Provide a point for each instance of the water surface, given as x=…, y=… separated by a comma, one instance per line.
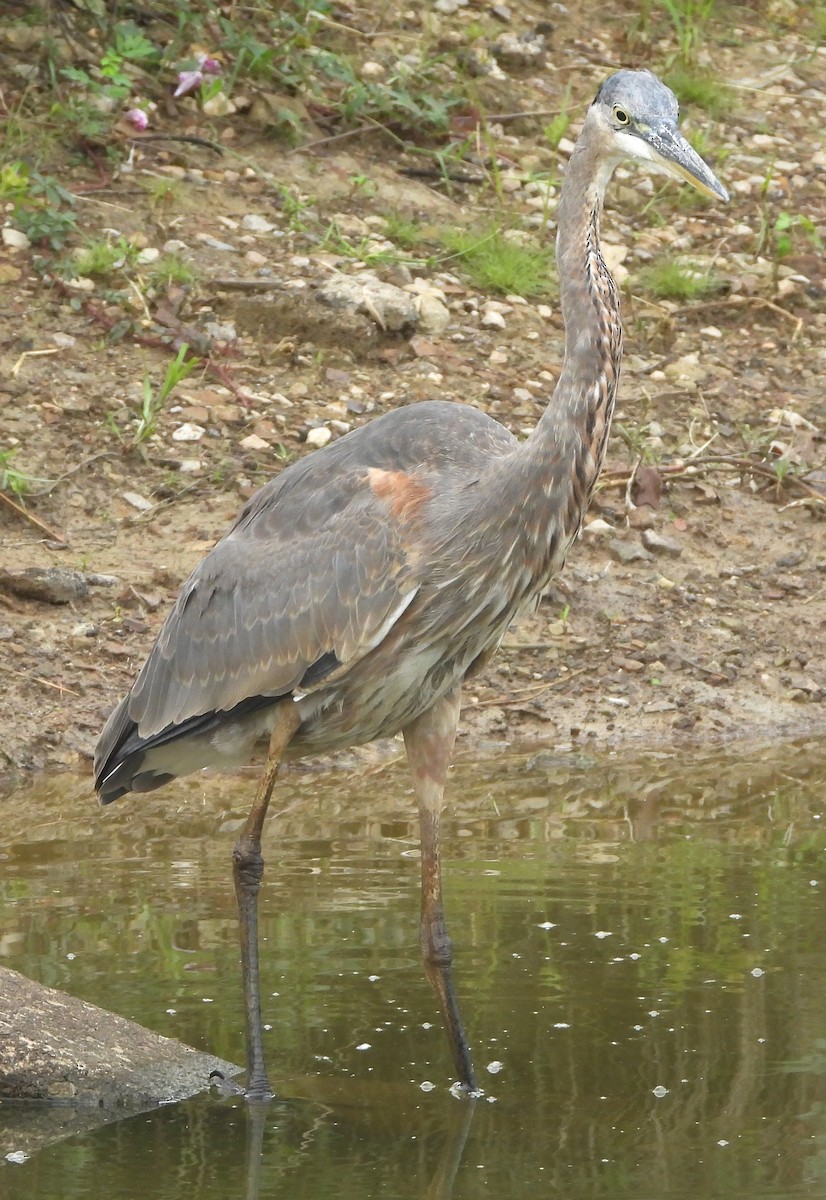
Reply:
x=640, y=960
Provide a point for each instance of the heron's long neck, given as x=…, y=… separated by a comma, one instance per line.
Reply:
x=568, y=445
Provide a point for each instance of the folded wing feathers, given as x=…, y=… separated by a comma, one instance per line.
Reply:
x=270, y=600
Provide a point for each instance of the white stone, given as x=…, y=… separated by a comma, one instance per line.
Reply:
x=253, y=442
x=219, y=105
x=493, y=320
x=15, y=239
x=149, y=254
x=372, y=70
x=137, y=501
x=255, y=223
x=319, y=436
x=433, y=314
x=188, y=433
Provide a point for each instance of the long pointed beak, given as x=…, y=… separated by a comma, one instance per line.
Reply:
x=675, y=155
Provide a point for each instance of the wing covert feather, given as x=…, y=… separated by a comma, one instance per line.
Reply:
x=304, y=572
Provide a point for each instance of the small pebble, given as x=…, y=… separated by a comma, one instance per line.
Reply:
x=660, y=544
x=319, y=436
x=493, y=320
x=137, y=501
x=254, y=442
x=214, y=243
x=257, y=224
x=188, y=433
x=15, y=239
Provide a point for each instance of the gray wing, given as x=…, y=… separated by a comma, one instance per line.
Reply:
x=311, y=577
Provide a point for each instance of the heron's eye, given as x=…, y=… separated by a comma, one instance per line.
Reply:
x=621, y=116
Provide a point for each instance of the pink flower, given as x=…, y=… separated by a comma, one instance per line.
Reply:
x=187, y=80
x=138, y=118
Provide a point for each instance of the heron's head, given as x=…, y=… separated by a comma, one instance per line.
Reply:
x=637, y=118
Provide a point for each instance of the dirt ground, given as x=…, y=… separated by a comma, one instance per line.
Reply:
x=693, y=605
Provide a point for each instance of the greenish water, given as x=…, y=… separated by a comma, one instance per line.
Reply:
x=640, y=959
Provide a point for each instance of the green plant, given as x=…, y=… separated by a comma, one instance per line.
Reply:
x=690, y=20
x=152, y=402
x=404, y=231
x=676, y=279
x=43, y=209
x=13, y=479
x=162, y=190
x=783, y=230
x=102, y=257
x=170, y=269
x=110, y=76
x=104, y=86
x=557, y=128
x=698, y=88
x=495, y=262
x=362, y=185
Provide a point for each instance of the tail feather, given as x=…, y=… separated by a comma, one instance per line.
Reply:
x=126, y=762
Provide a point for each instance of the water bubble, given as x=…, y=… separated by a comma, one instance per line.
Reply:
x=495, y=1067
x=373, y=978
x=427, y=1086
x=364, y=1046
x=603, y=933
x=659, y=1091
x=722, y=1142
x=757, y=972
x=17, y=1156
x=735, y=916
x=562, y=1025
x=546, y=925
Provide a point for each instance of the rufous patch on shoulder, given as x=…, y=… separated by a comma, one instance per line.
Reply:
x=404, y=493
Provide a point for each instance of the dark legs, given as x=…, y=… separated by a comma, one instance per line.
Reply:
x=429, y=741
x=248, y=868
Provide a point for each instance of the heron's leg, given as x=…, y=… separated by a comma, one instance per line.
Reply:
x=429, y=741
x=248, y=868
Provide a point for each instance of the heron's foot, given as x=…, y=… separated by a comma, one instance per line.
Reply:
x=219, y=1083
x=256, y=1093
x=466, y=1091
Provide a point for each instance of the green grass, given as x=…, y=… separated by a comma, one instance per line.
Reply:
x=103, y=257
x=695, y=88
x=171, y=269
x=14, y=479
x=494, y=262
x=676, y=279
x=690, y=20
x=403, y=231
x=153, y=401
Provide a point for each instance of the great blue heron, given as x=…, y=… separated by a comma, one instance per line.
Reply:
x=358, y=589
